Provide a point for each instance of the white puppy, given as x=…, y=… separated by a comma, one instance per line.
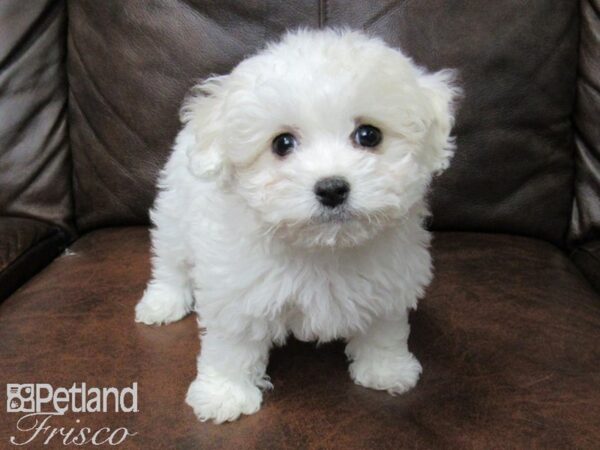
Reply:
x=293, y=203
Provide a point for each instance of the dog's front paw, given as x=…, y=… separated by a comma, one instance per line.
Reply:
x=221, y=400
x=386, y=371
x=161, y=305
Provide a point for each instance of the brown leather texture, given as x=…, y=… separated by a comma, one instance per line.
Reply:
x=585, y=222
x=507, y=334
x=26, y=246
x=35, y=163
x=131, y=63
x=587, y=259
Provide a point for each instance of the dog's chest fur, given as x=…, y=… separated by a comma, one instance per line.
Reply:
x=314, y=294
x=258, y=287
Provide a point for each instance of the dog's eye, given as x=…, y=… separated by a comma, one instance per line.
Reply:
x=284, y=144
x=367, y=136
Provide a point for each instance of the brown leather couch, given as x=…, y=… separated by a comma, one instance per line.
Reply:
x=509, y=332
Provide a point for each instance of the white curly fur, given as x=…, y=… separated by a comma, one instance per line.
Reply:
x=240, y=237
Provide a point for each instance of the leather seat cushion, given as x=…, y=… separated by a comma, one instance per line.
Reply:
x=508, y=337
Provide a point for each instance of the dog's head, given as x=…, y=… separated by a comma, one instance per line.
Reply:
x=329, y=136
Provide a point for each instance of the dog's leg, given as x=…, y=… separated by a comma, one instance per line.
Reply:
x=380, y=358
x=231, y=373
x=168, y=296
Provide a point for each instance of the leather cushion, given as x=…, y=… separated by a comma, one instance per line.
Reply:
x=35, y=164
x=507, y=334
x=130, y=66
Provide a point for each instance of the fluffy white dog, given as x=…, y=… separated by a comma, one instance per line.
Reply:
x=293, y=203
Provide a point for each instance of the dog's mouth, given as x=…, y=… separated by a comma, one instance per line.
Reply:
x=339, y=214
x=332, y=227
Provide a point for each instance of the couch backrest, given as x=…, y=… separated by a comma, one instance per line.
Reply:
x=585, y=221
x=35, y=164
x=131, y=63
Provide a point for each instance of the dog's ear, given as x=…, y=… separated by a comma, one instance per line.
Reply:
x=441, y=89
x=202, y=115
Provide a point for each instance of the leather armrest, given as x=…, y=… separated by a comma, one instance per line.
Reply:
x=587, y=258
x=26, y=246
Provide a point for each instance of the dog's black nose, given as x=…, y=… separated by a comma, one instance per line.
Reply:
x=332, y=191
